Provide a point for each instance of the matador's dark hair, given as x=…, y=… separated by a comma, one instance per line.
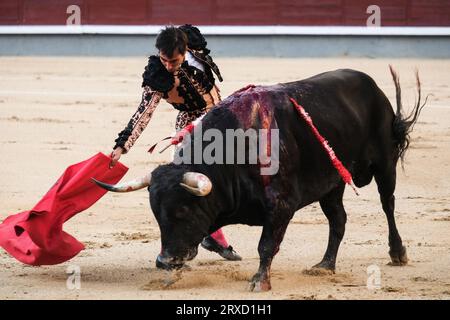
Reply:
x=171, y=39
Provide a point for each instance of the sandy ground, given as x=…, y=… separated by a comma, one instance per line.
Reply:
x=58, y=111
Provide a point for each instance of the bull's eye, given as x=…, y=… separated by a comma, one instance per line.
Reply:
x=182, y=212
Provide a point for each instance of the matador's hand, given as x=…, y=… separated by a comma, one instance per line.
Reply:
x=115, y=156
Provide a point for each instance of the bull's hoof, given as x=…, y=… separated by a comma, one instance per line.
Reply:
x=318, y=272
x=326, y=266
x=259, y=285
x=169, y=267
x=398, y=258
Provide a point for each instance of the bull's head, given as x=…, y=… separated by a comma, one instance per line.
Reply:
x=182, y=218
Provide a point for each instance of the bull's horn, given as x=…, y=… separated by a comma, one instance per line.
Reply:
x=196, y=183
x=133, y=185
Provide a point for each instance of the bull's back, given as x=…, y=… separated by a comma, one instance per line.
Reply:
x=346, y=106
x=349, y=110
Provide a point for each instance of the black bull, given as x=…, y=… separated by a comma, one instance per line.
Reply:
x=191, y=201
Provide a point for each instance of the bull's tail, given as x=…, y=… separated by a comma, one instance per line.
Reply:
x=404, y=124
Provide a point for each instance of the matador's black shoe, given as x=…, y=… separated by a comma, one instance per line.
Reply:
x=212, y=245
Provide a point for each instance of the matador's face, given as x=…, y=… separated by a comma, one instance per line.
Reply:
x=172, y=63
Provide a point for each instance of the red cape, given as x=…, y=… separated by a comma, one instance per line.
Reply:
x=36, y=237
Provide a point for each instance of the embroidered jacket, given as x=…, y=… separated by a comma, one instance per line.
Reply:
x=189, y=89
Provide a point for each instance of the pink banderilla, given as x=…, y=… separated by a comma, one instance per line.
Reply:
x=343, y=172
x=178, y=137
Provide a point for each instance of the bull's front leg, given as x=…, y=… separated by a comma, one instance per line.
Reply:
x=269, y=244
